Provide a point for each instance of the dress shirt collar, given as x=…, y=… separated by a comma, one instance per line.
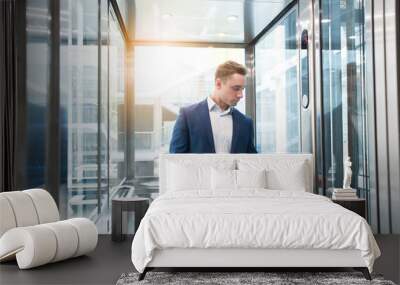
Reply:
x=212, y=106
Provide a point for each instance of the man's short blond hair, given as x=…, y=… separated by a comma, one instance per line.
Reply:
x=228, y=68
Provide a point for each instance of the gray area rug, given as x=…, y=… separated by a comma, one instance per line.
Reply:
x=228, y=278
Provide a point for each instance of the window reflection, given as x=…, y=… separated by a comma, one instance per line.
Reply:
x=277, y=100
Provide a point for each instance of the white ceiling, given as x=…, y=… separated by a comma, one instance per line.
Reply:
x=203, y=20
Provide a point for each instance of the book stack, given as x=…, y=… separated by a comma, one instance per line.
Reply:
x=344, y=194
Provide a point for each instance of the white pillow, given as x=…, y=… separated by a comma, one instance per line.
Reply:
x=251, y=178
x=183, y=178
x=293, y=179
x=189, y=175
x=223, y=179
x=282, y=173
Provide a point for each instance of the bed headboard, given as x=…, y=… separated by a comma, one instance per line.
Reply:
x=281, y=161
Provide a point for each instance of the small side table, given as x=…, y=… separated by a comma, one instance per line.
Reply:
x=357, y=205
x=119, y=205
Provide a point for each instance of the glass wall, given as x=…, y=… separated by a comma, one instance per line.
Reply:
x=92, y=89
x=79, y=106
x=262, y=13
x=116, y=107
x=103, y=211
x=276, y=87
x=123, y=6
x=38, y=39
x=186, y=77
x=343, y=96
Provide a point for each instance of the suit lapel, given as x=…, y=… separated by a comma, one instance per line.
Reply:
x=205, y=115
x=235, y=130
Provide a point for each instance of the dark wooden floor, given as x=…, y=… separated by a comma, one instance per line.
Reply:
x=102, y=266
x=110, y=260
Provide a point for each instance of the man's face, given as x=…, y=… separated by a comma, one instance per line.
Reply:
x=231, y=91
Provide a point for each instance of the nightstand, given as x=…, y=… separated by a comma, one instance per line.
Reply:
x=357, y=205
x=121, y=205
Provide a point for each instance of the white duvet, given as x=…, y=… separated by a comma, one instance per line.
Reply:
x=253, y=218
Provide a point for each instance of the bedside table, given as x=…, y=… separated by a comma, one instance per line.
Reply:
x=119, y=205
x=357, y=205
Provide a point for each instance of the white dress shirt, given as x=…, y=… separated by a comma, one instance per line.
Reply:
x=222, y=126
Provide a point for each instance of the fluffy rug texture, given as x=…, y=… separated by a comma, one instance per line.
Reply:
x=229, y=278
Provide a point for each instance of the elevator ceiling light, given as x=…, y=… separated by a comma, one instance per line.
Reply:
x=232, y=18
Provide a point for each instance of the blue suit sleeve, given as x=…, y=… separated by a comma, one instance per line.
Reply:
x=251, y=148
x=180, y=135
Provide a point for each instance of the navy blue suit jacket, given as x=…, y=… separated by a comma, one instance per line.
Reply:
x=193, y=132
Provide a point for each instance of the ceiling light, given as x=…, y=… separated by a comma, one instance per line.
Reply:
x=232, y=18
x=221, y=35
x=324, y=21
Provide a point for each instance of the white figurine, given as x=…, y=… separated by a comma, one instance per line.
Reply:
x=347, y=174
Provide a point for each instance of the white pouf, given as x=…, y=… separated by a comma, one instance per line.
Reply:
x=31, y=232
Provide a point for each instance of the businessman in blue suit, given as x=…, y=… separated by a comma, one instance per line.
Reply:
x=214, y=125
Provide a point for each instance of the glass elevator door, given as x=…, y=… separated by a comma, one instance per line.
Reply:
x=283, y=83
x=343, y=104
x=277, y=98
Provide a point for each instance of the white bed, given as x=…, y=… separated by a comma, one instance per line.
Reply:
x=247, y=211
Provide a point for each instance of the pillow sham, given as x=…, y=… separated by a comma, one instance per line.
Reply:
x=251, y=178
x=292, y=179
x=187, y=175
x=183, y=178
x=223, y=179
x=281, y=173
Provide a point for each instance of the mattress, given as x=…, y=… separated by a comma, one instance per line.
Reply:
x=250, y=219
